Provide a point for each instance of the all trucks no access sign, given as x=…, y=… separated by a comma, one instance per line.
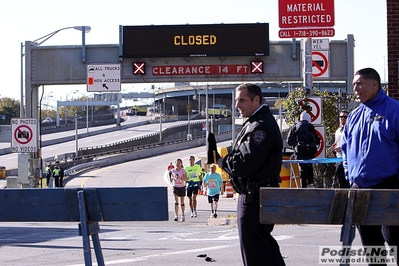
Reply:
x=104, y=78
x=24, y=135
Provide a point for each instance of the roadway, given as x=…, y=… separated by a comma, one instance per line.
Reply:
x=155, y=243
x=10, y=161
x=151, y=243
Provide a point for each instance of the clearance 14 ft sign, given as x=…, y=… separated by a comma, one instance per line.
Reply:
x=24, y=135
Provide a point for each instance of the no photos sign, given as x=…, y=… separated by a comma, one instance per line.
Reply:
x=304, y=14
x=24, y=135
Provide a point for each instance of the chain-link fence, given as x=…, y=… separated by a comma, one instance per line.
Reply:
x=324, y=175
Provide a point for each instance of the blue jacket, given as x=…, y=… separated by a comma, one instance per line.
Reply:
x=370, y=145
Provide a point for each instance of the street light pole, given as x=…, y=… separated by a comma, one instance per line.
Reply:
x=206, y=110
x=76, y=136
x=213, y=108
x=189, y=136
x=160, y=123
x=66, y=107
x=87, y=114
x=39, y=41
x=32, y=96
x=21, y=104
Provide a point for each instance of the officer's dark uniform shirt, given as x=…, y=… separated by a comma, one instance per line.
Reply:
x=257, y=151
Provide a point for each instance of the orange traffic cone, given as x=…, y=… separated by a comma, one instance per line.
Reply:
x=228, y=190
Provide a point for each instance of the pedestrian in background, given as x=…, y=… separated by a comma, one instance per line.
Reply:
x=213, y=183
x=339, y=177
x=370, y=149
x=61, y=179
x=305, y=141
x=194, y=174
x=254, y=162
x=48, y=174
x=179, y=178
x=56, y=175
x=170, y=168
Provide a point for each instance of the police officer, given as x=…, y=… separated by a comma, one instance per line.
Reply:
x=56, y=175
x=48, y=174
x=254, y=162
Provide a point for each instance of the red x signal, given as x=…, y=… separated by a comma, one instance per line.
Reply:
x=256, y=66
x=138, y=68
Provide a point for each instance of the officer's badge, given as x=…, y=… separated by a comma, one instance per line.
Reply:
x=258, y=136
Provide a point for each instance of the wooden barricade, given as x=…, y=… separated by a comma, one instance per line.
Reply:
x=87, y=206
x=330, y=206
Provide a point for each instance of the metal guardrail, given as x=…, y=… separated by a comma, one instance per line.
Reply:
x=143, y=147
x=80, y=163
x=173, y=133
x=106, y=159
x=74, y=170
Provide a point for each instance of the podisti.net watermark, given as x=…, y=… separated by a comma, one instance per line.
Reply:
x=357, y=255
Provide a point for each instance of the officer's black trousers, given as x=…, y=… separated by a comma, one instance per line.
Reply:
x=258, y=247
x=377, y=235
x=306, y=174
x=340, y=176
x=57, y=181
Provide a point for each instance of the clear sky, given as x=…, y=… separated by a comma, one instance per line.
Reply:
x=29, y=20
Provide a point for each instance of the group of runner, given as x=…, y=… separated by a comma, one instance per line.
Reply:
x=190, y=181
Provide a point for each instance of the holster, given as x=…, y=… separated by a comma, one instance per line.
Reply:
x=241, y=186
x=251, y=187
x=236, y=184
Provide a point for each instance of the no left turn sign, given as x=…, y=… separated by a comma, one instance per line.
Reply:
x=320, y=64
x=316, y=110
x=321, y=151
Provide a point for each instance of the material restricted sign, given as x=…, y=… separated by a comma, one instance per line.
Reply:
x=104, y=78
x=309, y=13
x=24, y=135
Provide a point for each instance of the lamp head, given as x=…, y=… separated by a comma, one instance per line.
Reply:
x=86, y=29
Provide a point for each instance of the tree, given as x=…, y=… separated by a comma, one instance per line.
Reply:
x=9, y=108
x=330, y=108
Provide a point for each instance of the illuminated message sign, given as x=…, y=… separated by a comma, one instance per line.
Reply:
x=203, y=40
x=200, y=70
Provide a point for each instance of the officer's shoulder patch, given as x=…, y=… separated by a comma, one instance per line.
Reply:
x=258, y=136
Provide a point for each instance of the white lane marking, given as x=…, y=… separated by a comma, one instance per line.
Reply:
x=143, y=258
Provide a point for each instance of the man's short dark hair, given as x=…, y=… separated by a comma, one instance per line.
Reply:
x=369, y=73
x=253, y=90
x=345, y=111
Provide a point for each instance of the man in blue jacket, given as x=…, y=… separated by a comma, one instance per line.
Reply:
x=370, y=148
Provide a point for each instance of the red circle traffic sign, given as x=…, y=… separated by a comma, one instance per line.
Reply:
x=312, y=116
x=321, y=147
x=24, y=134
x=322, y=69
x=316, y=115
